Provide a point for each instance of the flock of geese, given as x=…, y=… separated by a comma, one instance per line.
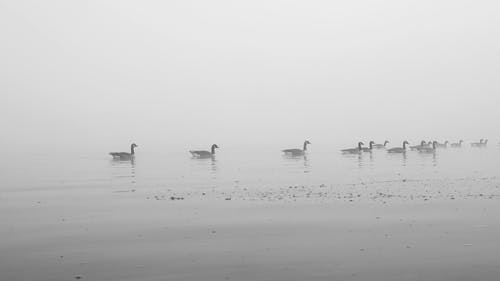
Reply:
x=424, y=147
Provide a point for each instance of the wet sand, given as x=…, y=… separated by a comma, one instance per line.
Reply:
x=103, y=234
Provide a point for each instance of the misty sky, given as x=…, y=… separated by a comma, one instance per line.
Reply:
x=105, y=73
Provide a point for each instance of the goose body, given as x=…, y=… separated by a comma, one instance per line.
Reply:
x=381, y=145
x=485, y=143
x=125, y=155
x=429, y=149
x=416, y=147
x=441, y=145
x=368, y=149
x=398, y=149
x=204, y=153
x=477, y=144
x=457, y=144
x=297, y=151
x=354, y=150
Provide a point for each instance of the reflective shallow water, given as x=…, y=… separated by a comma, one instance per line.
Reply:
x=250, y=214
x=249, y=168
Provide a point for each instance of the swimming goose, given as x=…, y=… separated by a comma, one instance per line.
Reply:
x=429, y=149
x=125, y=155
x=354, y=150
x=381, y=145
x=441, y=145
x=422, y=144
x=477, y=144
x=398, y=149
x=297, y=151
x=368, y=149
x=485, y=143
x=457, y=144
x=204, y=153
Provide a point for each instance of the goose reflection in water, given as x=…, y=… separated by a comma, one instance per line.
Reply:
x=370, y=162
x=205, y=162
x=355, y=158
x=429, y=155
x=402, y=155
x=213, y=164
x=124, y=168
x=295, y=160
x=365, y=160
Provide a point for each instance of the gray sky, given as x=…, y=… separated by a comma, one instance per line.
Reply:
x=104, y=73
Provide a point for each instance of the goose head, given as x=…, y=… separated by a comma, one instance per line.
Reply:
x=386, y=142
x=405, y=143
x=132, y=148
x=214, y=146
x=306, y=142
x=360, y=144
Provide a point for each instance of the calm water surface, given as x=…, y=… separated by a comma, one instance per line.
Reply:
x=250, y=214
x=255, y=168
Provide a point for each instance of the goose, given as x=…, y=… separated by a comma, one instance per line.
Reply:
x=125, y=155
x=429, y=149
x=354, y=150
x=477, y=144
x=457, y=144
x=485, y=143
x=368, y=149
x=398, y=149
x=422, y=144
x=204, y=153
x=381, y=145
x=297, y=151
x=441, y=145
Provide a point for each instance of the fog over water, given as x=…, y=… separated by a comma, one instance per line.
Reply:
x=80, y=79
x=178, y=75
